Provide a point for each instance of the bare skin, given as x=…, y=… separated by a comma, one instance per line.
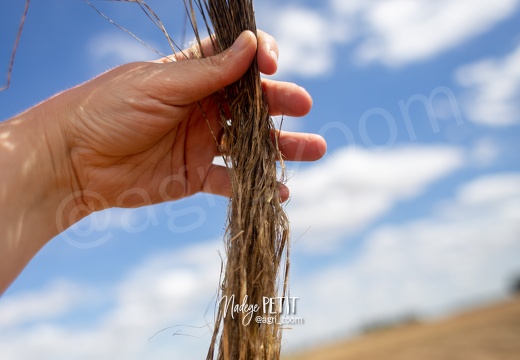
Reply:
x=133, y=136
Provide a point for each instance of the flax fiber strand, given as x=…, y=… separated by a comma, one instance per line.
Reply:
x=257, y=234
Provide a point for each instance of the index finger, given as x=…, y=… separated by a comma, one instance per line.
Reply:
x=267, y=54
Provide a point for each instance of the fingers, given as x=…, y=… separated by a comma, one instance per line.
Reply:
x=267, y=52
x=217, y=183
x=293, y=146
x=200, y=78
x=300, y=146
x=196, y=51
x=286, y=98
x=184, y=82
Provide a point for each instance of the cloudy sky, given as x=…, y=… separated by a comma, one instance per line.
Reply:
x=415, y=209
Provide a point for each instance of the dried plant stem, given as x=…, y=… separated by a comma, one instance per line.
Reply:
x=258, y=231
x=257, y=234
x=17, y=41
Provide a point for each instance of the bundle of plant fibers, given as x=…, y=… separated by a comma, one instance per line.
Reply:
x=257, y=232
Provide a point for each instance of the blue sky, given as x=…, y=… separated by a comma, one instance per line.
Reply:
x=415, y=209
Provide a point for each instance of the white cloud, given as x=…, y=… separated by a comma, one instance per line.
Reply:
x=402, y=31
x=101, y=226
x=485, y=152
x=468, y=251
x=166, y=283
x=493, y=90
x=391, y=32
x=115, y=48
x=56, y=299
x=171, y=289
x=306, y=38
x=491, y=189
x=353, y=187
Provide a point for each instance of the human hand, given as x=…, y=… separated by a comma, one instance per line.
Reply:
x=143, y=127
x=134, y=136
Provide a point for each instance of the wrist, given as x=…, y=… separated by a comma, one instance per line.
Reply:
x=35, y=184
x=42, y=165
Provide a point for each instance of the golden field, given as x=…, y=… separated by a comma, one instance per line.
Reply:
x=490, y=333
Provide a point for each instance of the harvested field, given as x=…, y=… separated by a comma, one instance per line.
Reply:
x=491, y=333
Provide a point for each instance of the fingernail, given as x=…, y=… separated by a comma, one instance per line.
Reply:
x=284, y=192
x=274, y=55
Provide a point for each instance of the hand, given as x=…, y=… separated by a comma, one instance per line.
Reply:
x=134, y=136
x=140, y=126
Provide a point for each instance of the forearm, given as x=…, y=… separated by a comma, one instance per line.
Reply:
x=33, y=183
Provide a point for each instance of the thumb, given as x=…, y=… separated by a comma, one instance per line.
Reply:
x=186, y=81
